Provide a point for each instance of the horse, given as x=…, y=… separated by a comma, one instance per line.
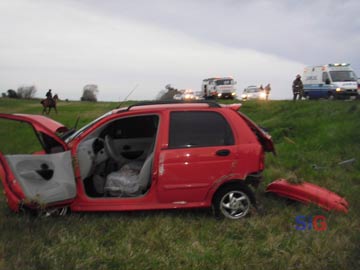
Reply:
x=49, y=103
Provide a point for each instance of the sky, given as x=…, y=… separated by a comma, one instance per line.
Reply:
x=121, y=45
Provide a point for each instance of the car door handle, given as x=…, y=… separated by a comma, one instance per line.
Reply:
x=223, y=152
x=126, y=147
x=45, y=172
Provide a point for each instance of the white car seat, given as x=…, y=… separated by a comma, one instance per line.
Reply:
x=133, y=179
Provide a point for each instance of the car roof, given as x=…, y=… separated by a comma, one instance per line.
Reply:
x=168, y=106
x=218, y=78
x=174, y=104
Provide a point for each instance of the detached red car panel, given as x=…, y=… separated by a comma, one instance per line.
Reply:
x=146, y=156
x=309, y=193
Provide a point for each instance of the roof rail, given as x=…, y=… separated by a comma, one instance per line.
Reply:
x=211, y=104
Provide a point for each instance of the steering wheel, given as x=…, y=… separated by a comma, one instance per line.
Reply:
x=98, y=145
x=110, y=149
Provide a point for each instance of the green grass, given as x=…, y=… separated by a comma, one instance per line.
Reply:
x=306, y=133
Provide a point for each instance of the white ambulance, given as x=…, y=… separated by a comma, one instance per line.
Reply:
x=332, y=81
x=219, y=87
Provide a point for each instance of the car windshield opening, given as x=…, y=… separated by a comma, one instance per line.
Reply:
x=81, y=130
x=343, y=76
x=223, y=82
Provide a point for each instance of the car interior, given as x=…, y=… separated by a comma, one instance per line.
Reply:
x=116, y=159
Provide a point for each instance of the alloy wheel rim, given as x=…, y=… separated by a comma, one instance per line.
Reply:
x=235, y=204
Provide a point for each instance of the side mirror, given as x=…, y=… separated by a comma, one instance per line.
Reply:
x=327, y=81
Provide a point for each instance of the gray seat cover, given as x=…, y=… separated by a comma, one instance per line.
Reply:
x=129, y=181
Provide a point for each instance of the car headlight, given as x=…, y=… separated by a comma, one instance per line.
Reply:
x=233, y=94
x=219, y=95
x=338, y=89
x=262, y=95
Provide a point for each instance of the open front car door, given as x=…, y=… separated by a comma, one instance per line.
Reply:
x=44, y=179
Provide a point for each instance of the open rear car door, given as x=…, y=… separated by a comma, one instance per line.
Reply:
x=43, y=179
x=263, y=137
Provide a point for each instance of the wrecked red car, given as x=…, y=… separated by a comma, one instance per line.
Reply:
x=146, y=156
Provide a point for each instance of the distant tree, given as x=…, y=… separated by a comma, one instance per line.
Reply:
x=89, y=92
x=168, y=93
x=12, y=93
x=26, y=92
x=3, y=95
x=160, y=94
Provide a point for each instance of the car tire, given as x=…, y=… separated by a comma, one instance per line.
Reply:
x=54, y=212
x=59, y=212
x=233, y=201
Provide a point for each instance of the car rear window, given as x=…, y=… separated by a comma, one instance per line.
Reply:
x=199, y=129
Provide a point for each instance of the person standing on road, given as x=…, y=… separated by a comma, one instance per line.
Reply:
x=267, y=90
x=298, y=88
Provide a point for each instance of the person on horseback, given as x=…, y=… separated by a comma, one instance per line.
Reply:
x=49, y=102
x=49, y=94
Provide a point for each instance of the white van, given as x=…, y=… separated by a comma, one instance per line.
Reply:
x=219, y=87
x=330, y=81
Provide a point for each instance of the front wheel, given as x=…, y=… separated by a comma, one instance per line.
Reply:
x=233, y=202
x=51, y=212
x=55, y=212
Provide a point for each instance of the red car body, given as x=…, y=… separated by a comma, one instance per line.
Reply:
x=181, y=177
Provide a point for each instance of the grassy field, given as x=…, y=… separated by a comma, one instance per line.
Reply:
x=311, y=138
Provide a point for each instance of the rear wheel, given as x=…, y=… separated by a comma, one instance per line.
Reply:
x=233, y=202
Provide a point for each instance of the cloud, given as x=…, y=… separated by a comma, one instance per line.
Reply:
x=313, y=32
x=64, y=45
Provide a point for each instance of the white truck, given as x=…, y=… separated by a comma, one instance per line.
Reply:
x=219, y=87
x=332, y=81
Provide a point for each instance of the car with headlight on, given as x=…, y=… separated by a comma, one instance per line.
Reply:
x=253, y=92
x=330, y=81
x=187, y=94
x=147, y=156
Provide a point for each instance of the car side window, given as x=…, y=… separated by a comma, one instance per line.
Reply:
x=133, y=127
x=27, y=139
x=199, y=129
